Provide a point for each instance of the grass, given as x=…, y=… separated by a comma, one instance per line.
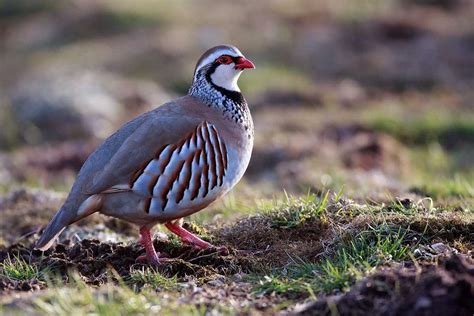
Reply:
x=174, y=242
x=430, y=127
x=439, y=142
x=295, y=211
x=454, y=173
x=19, y=270
x=149, y=277
x=459, y=186
x=357, y=239
x=144, y=10
x=367, y=236
x=353, y=259
x=349, y=11
x=199, y=230
x=80, y=299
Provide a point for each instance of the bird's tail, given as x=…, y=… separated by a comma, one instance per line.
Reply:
x=54, y=229
x=64, y=217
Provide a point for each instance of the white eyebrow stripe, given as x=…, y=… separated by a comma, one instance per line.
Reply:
x=225, y=51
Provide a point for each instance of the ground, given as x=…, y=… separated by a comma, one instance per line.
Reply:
x=315, y=254
x=359, y=198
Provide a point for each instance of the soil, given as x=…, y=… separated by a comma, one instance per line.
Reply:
x=429, y=289
x=274, y=246
x=254, y=245
x=96, y=261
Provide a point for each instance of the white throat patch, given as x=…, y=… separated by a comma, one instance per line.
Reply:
x=226, y=76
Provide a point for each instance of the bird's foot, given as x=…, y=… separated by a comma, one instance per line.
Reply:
x=151, y=256
x=189, y=238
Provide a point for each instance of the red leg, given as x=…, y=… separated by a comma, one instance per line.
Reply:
x=187, y=237
x=147, y=242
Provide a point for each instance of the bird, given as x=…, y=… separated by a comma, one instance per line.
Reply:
x=170, y=162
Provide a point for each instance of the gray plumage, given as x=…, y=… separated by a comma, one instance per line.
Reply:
x=108, y=181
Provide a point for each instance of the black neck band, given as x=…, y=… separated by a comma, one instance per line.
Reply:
x=235, y=96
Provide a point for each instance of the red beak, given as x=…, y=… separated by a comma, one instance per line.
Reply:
x=243, y=63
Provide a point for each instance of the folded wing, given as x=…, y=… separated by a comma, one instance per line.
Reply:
x=181, y=173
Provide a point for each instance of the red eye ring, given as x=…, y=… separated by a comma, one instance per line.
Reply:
x=224, y=59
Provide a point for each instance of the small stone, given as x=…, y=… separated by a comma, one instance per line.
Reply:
x=440, y=248
x=216, y=282
x=25, y=286
x=406, y=203
x=423, y=302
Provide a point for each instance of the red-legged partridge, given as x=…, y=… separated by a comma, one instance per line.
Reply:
x=170, y=162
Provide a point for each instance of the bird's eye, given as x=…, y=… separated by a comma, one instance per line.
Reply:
x=224, y=60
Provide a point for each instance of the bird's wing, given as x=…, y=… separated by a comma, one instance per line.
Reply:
x=141, y=145
x=168, y=152
x=182, y=173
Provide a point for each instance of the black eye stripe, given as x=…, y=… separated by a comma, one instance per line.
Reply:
x=232, y=59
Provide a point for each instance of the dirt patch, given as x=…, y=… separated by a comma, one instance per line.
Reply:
x=25, y=211
x=94, y=261
x=444, y=227
x=63, y=156
x=363, y=148
x=219, y=292
x=443, y=289
x=253, y=243
x=49, y=165
x=273, y=245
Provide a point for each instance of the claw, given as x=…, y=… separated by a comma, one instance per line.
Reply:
x=153, y=261
x=143, y=259
x=223, y=250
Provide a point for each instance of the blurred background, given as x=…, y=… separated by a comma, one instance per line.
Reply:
x=371, y=97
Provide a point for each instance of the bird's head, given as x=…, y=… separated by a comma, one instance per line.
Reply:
x=221, y=66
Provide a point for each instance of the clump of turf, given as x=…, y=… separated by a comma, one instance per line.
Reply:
x=19, y=270
x=441, y=288
x=352, y=259
x=296, y=227
x=152, y=278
